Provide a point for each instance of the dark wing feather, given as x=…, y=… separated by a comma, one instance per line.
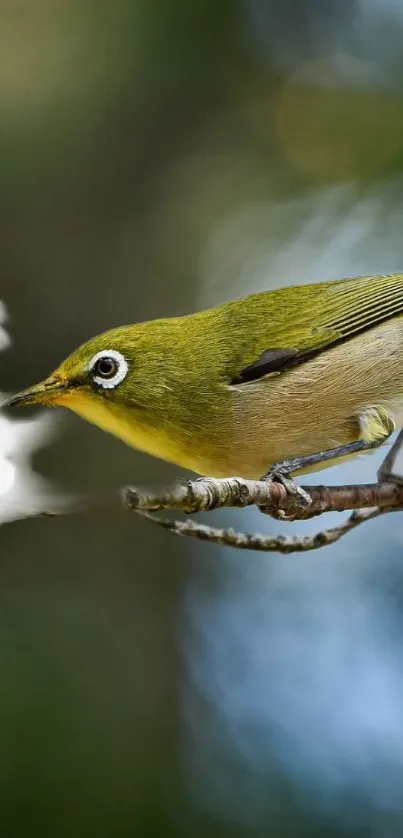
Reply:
x=271, y=360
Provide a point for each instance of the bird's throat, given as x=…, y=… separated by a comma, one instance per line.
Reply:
x=155, y=441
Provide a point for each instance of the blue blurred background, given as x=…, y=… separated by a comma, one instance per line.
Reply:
x=157, y=158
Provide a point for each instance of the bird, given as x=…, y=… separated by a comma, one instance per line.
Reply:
x=304, y=375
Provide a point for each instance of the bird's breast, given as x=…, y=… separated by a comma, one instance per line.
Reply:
x=163, y=441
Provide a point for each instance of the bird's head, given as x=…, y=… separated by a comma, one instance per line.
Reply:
x=129, y=381
x=96, y=371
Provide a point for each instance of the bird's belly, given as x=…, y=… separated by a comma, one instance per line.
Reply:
x=254, y=454
x=318, y=405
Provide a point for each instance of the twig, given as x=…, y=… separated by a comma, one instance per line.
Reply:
x=265, y=543
x=368, y=501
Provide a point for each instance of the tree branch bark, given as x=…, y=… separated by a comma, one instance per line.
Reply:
x=208, y=493
x=367, y=500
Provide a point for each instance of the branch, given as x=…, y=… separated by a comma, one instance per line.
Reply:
x=282, y=500
x=264, y=543
x=367, y=500
x=209, y=493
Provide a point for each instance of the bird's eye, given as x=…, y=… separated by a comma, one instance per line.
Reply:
x=108, y=368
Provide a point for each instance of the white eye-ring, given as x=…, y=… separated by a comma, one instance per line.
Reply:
x=109, y=368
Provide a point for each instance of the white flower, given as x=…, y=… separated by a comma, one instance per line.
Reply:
x=22, y=491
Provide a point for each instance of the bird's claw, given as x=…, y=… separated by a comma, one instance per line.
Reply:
x=280, y=474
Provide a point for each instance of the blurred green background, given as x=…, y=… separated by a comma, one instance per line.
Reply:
x=155, y=158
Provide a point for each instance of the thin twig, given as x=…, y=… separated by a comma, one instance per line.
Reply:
x=265, y=543
x=367, y=500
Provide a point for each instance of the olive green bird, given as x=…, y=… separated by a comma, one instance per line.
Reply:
x=306, y=374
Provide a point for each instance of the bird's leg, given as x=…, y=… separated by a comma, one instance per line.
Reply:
x=376, y=425
x=386, y=473
x=281, y=472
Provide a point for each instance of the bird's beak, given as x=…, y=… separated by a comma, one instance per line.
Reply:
x=46, y=392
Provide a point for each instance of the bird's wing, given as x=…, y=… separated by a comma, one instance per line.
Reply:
x=329, y=313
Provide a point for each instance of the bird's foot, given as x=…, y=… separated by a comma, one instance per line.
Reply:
x=280, y=473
